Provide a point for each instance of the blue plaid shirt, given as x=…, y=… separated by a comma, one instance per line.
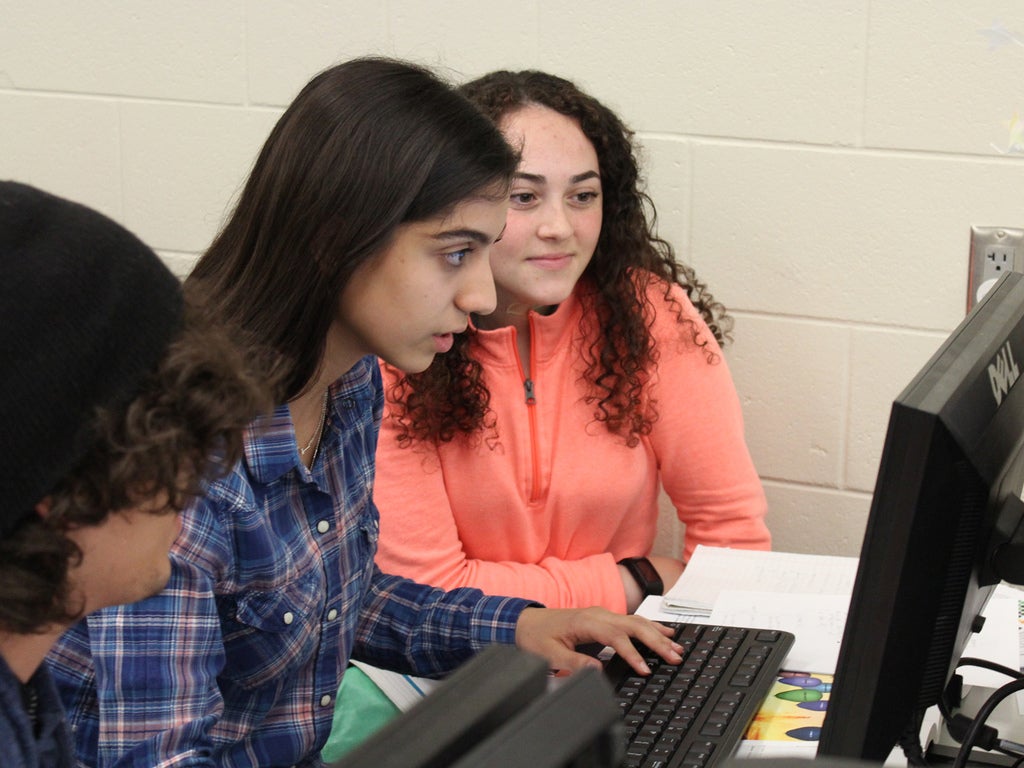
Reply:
x=24, y=743
x=237, y=662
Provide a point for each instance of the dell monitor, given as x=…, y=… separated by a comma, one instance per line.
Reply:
x=943, y=530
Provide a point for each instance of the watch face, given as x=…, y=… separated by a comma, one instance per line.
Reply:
x=649, y=572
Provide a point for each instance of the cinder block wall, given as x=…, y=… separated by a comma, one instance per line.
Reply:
x=820, y=164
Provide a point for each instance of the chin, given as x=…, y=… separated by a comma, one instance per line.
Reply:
x=420, y=368
x=411, y=364
x=550, y=297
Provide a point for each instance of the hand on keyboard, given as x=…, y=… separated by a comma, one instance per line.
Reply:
x=555, y=633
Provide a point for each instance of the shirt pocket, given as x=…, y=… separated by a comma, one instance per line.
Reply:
x=269, y=634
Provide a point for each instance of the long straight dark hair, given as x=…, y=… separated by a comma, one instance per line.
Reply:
x=366, y=146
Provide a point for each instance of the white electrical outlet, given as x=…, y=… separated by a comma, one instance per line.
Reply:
x=994, y=251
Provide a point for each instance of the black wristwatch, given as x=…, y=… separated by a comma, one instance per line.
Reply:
x=646, y=575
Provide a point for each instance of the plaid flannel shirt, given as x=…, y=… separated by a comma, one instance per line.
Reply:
x=238, y=661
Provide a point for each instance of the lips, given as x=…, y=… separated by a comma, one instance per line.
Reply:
x=443, y=342
x=551, y=261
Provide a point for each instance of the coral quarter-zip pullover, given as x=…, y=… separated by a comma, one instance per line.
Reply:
x=545, y=509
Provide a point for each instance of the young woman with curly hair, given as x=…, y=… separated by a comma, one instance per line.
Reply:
x=528, y=460
x=119, y=401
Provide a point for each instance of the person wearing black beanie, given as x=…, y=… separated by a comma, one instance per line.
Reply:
x=116, y=401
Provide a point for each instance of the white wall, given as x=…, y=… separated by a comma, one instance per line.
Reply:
x=819, y=163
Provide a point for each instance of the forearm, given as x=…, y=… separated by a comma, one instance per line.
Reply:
x=413, y=628
x=555, y=582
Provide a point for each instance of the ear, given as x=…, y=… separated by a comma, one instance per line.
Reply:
x=43, y=507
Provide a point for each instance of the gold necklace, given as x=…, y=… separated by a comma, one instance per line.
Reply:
x=319, y=428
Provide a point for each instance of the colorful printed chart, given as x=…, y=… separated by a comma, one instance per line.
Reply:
x=794, y=709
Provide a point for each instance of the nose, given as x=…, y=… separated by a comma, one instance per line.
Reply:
x=476, y=295
x=554, y=223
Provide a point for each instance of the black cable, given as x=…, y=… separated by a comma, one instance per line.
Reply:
x=909, y=741
x=983, y=714
x=958, y=724
x=970, y=661
x=987, y=738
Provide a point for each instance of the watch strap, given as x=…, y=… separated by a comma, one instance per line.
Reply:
x=645, y=574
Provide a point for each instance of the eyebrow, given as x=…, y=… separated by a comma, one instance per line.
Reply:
x=537, y=178
x=468, y=234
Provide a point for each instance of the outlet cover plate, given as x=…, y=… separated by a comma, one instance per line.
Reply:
x=994, y=251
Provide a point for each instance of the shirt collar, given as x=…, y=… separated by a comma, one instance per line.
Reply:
x=269, y=441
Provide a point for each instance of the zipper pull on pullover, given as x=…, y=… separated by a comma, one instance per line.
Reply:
x=531, y=398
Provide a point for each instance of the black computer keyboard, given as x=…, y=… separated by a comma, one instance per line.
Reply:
x=693, y=715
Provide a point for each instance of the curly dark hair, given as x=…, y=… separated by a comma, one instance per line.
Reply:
x=450, y=398
x=183, y=427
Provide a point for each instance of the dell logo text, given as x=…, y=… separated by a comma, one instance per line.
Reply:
x=1003, y=371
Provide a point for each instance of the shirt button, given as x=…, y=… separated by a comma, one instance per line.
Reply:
x=325, y=700
x=323, y=526
x=332, y=614
x=288, y=617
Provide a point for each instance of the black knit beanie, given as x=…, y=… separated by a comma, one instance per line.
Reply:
x=86, y=312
